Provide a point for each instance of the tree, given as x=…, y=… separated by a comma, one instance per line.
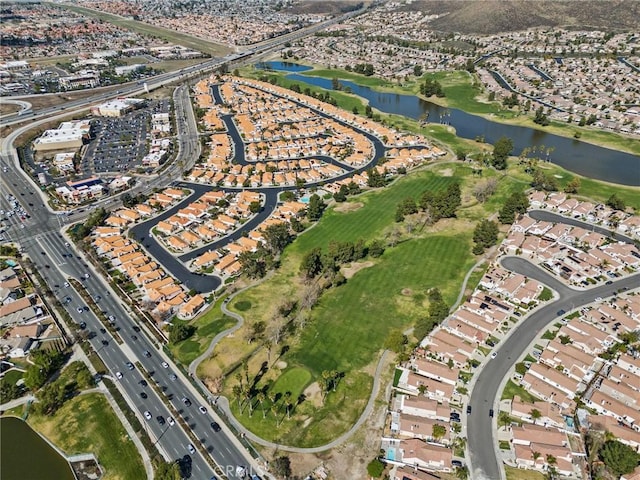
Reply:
x=312, y=263
x=281, y=466
x=277, y=237
x=482, y=191
x=462, y=473
x=615, y=202
x=179, y=331
x=315, y=208
x=504, y=419
x=517, y=202
x=255, y=206
x=573, y=186
x=51, y=398
x=255, y=264
x=396, y=341
x=544, y=181
x=541, y=118
x=375, y=468
x=376, y=248
x=535, y=415
x=375, y=179
x=438, y=431
x=167, y=471
x=618, y=457
x=485, y=235
x=501, y=151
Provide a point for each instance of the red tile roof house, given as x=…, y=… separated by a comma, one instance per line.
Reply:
x=411, y=426
x=422, y=455
x=435, y=370
x=411, y=382
x=528, y=439
x=421, y=406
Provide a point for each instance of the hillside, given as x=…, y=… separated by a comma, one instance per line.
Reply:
x=495, y=16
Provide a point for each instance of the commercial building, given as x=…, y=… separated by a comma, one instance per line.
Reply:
x=117, y=107
x=69, y=135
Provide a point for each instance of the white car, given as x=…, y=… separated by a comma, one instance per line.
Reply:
x=165, y=364
x=66, y=284
x=171, y=421
x=202, y=409
x=147, y=414
x=598, y=299
x=494, y=354
x=191, y=449
x=118, y=375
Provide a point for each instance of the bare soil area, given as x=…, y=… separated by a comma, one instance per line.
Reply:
x=347, y=207
x=354, y=268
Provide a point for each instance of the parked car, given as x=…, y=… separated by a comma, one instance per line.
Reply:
x=491, y=412
x=468, y=409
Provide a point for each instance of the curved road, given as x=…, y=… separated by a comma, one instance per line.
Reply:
x=482, y=456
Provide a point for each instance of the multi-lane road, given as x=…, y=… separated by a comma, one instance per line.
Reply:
x=484, y=464
x=39, y=235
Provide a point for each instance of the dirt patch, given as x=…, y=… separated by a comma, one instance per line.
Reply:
x=407, y=292
x=347, y=207
x=313, y=394
x=354, y=268
x=447, y=172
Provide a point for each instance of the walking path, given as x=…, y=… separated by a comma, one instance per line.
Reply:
x=223, y=403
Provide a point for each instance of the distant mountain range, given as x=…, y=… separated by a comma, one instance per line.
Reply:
x=495, y=16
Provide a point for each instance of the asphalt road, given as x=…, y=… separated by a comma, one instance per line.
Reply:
x=483, y=464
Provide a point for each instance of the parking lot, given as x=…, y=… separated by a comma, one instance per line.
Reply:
x=120, y=143
x=117, y=146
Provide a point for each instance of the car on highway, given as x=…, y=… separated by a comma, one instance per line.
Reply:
x=202, y=410
x=147, y=414
x=112, y=318
x=66, y=284
x=143, y=382
x=191, y=449
x=165, y=365
x=160, y=419
x=134, y=338
x=118, y=375
x=83, y=325
x=105, y=342
x=171, y=421
x=80, y=309
x=130, y=365
x=186, y=401
x=135, y=328
x=147, y=353
x=173, y=377
x=143, y=395
x=215, y=427
x=86, y=275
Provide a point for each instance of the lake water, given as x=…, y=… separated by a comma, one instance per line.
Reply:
x=25, y=455
x=580, y=157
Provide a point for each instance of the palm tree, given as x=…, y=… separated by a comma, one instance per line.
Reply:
x=462, y=473
x=261, y=398
x=274, y=410
x=237, y=393
x=504, y=418
x=536, y=415
x=535, y=456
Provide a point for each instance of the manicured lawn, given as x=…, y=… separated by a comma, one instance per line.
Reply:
x=511, y=389
x=208, y=325
x=293, y=380
x=351, y=322
x=351, y=76
x=519, y=474
x=313, y=421
x=88, y=424
x=12, y=376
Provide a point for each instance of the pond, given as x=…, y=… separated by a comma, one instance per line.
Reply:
x=580, y=157
x=26, y=455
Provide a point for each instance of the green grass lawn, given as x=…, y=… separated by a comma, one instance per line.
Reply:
x=88, y=424
x=12, y=376
x=351, y=322
x=511, y=389
x=208, y=325
x=519, y=474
